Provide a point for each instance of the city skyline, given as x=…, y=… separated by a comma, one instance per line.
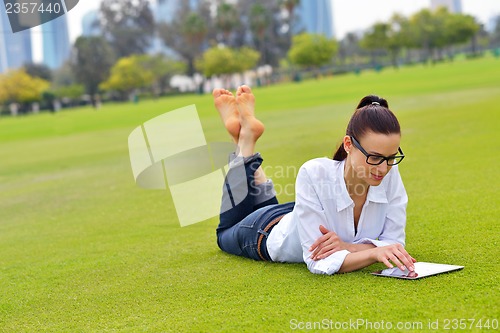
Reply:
x=348, y=16
x=15, y=48
x=33, y=45
x=315, y=17
x=55, y=42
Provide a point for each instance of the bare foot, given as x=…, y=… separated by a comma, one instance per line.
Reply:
x=251, y=127
x=225, y=103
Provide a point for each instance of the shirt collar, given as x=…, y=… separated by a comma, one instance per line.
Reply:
x=343, y=198
x=375, y=193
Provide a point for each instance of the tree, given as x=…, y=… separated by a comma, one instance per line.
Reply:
x=424, y=27
x=312, y=50
x=39, y=70
x=226, y=60
x=495, y=34
x=128, y=75
x=187, y=33
x=226, y=20
x=268, y=27
x=289, y=6
x=437, y=30
x=93, y=57
x=19, y=87
x=461, y=29
x=400, y=37
x=260, y=19
x=376, y=40
x=128, y=25
x=71, y=92
x=162, y=69
x=349, y=48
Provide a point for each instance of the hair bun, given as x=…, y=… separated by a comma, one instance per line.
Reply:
x=372, y=100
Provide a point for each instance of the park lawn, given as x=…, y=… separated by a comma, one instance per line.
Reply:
x=84, y=250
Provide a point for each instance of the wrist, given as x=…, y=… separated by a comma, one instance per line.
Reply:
x=359, y=247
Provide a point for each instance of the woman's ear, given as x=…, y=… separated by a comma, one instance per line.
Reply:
x=347, y=143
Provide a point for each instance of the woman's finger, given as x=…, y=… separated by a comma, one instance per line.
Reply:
x=318, y=242
x=387, y=263
x=326, y=254
x=405, y=257
x=396, y=262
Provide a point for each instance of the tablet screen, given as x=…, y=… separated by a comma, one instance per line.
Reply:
x=422, y=269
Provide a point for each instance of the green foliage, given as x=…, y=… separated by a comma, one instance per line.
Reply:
x=94, y=58
x=187, y=32
x=435, y=30
x=260, y=19
x=311, y=50
x=227, y=19
x=377, y=37
x=128, y=74
x=85, y=250
x=18, y=86
x=460, y=28
x=141, y=71
x=226, y=60
x=73, y=91
x=194, y=28
x=39, y=70
x=128, y=25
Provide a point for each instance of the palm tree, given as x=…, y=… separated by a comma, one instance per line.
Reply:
x=290, y=6
x=227, y=20
x=260, y=20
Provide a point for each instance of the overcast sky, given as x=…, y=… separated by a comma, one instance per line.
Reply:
x=353, y=15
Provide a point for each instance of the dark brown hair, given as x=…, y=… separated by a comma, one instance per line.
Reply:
x=371, y=115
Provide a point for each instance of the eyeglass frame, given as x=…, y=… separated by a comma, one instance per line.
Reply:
x=382, y=158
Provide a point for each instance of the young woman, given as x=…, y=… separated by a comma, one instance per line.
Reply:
x=349, y=212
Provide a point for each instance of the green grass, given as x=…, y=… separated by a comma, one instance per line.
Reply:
x=84, y=250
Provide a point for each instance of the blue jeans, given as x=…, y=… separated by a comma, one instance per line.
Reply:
x=247, y=209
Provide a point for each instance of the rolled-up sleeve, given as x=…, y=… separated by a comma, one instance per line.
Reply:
x=310, y=215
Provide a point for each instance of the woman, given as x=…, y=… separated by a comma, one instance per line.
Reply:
x=349, y=212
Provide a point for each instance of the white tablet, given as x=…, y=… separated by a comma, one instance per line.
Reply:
x=422, y=269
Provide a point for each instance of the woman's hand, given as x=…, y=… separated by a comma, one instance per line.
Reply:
x=396, y=254
x=327, y=244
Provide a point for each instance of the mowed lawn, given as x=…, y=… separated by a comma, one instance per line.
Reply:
x=82, y=249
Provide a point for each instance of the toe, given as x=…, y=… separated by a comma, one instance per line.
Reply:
x=217, y=92
x=246, y=89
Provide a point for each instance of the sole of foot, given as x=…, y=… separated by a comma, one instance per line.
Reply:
x=225, y=103
x=250, y=126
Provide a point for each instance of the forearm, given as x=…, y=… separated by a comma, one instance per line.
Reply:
x=394, y=253
x=357, y=260
x=359, y=247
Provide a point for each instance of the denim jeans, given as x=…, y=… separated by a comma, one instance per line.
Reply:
x=247, y=209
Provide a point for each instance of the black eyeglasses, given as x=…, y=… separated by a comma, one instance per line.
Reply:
x=377, y=159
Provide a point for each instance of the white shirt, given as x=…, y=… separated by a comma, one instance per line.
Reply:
x=322, y=199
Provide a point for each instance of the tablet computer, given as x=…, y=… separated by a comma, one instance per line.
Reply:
x=422, y=269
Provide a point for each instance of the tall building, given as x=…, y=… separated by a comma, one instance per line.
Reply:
x=453, y=6
x=55, y=39
x=90, y=24
x=314, y=17
x=15, y=48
